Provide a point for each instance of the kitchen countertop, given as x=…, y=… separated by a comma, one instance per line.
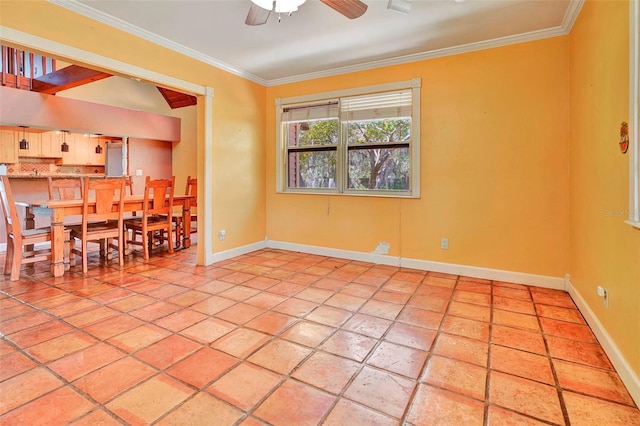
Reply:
x=54, y=175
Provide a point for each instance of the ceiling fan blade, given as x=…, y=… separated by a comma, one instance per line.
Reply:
x=350, y=8
x=257, y=15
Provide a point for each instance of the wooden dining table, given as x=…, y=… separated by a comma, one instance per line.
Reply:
x=59, y=209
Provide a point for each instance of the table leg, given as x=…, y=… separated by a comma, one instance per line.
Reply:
x=186, y=224
x=57, y=243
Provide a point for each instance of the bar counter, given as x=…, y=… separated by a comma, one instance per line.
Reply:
x=55, y=175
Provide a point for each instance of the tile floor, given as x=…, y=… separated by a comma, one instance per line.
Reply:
x=283, y=338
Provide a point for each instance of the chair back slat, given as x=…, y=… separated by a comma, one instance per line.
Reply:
x=158, y=196
x=10, y=213
x=66, y=189
x=192, y=189
x=128, y=183
x=105, y=193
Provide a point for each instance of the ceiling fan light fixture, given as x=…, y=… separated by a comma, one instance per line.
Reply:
x=265, y=4
x=400, y=6
x=279, y=6
x=257, y=15
x=288, y=6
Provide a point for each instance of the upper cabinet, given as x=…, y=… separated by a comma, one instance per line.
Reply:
x=41, y=145
x=82, y=150
x=8, y=147
x=51, y=144
x=97, y=156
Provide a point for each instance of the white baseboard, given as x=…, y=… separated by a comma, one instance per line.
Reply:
x=238, y=251
x=331, y=252
x=626, y=373
x=448, y=268
x=486, y=273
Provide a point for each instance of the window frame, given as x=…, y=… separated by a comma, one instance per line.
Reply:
x=342, y=147
x=634, y=115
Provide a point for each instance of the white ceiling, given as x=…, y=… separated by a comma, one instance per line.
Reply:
x=318, y=41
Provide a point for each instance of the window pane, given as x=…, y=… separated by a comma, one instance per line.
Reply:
x=386, y=168
x=312, y=169
x=37, y=66
x=379, y=131
x=312, y=133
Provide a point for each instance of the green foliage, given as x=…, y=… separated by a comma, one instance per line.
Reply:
x=368, y=168
x=379, y=131
x=384, y=168
x=322, y=132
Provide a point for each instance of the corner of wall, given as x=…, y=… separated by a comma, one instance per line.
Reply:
x=620, y=363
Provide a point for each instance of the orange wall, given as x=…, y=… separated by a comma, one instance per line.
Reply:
x=494, y=166
x=604, y=250
x=237, y=187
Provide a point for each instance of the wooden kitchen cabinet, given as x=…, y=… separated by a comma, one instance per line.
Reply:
x=41, y=145
x=51, y=144
x=34, y=144
x=97, y=158
x=76, y=154
x=8, y=147
x=82, y=151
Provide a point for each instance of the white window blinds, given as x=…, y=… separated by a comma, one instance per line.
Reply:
x=328, y=109
x=377, y=106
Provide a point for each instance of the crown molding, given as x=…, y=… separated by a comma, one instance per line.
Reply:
x=570, y=16
x=432, y=54
x=567, y=23
x=96, y=15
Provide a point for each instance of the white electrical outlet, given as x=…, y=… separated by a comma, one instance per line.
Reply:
x=604, y=294
x=222, y=234
x=444, y=243
x=138, y=172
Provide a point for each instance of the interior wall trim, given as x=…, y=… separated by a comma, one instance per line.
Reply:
x=563, y=29
x=332, y=252
x=237, y=251
x=89, y=12
x=426, y=265
x=620, y=363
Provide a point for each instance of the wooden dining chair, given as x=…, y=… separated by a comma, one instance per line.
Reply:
x=101, y=223
x=65, y=188
x=156, y=215
x=19, y=239
x=191, y=189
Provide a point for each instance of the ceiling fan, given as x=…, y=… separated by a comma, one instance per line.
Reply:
x=261, y=9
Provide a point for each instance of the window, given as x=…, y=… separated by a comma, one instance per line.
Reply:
x=363, y=141
x=634, y=115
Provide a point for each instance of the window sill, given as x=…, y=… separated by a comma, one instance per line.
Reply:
x=632, y=223
x=350, y=194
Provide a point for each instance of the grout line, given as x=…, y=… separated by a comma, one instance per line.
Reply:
x=164, y=263
x=563, y=407
x=487, y=384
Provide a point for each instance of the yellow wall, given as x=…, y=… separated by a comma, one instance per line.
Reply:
x=238, y=151
x=604, y=250
x=494, y=166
